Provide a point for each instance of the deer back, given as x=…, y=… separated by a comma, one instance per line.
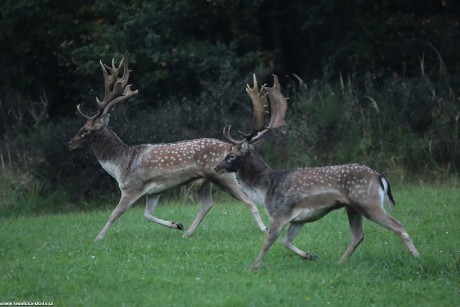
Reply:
x=330, y=186
x=160, y=166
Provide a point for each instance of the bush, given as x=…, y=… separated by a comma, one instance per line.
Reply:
x=405, y=124
x=404, y=127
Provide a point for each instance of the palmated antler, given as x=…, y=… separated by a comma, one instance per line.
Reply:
x=259, y=105
x=278, y=106
x=116, y=89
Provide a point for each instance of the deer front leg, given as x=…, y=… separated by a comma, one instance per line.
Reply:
x=355, y=219
x=293, y=230
x=205, y=193
x=125, y=202
x=273, y=234
x=151, y=203
x=255, y=213
x=230, y=184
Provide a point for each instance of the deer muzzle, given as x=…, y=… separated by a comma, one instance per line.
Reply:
x=72, y=145
x=220, y=169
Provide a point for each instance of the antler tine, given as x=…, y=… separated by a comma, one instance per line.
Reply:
x=227, y=136
x=278, y=104
x=259, y=104
x=84, y=115
x=126, y=94
x=121, y=91
x=278, y=107
x=109, y=81
x=116, y=89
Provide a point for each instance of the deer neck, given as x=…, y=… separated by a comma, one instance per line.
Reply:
x=107, y=146
x=254, y=172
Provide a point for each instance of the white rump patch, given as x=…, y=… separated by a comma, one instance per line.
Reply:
x=382, y=192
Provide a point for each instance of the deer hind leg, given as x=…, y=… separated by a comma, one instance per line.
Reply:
x=273, y=234
x=123, y=205
x=355, y=219
x=151, y=203
x=381, y=217
x=205, y=193
x=232, y=186
x=292, y=232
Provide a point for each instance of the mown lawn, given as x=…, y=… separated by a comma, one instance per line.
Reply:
x=54, y=259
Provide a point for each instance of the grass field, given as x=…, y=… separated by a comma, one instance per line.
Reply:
x=54, y=259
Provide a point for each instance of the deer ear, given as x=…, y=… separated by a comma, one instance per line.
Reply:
x=102, y=121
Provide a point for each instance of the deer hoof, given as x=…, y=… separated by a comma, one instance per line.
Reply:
x=253, y=268
x=311, y=257
x=179, y=226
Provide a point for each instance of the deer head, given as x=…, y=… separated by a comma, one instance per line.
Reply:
x=117, y=90
x=272, y=113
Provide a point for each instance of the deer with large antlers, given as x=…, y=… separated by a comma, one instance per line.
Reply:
x=304, y=195
x=152, y=169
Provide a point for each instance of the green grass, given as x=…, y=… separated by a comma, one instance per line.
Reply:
x=53, y=258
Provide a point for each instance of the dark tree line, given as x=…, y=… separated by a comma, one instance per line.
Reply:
x=54, y=46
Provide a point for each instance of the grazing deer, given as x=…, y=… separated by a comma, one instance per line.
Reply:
x=152, y=169
x=305, y=195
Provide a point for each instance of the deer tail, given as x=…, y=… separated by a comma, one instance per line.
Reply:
x=385, y=185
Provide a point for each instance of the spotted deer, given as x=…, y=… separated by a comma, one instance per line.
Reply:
x=151, y=169
x=304, y=195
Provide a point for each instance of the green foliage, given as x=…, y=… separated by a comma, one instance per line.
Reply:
x=54, y=258
x=175, y=45
x=328, y=122
x=23, y=195
x=403, y=123
x=395, y=106
x=54, y=46
x=15, y=187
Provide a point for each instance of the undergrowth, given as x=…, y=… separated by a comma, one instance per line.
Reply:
x=405, y=127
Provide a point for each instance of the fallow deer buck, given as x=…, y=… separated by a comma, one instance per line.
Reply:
x=304, y=195
x=152, y=169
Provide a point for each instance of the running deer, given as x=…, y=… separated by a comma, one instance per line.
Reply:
x=151, y=169
x=304, y=195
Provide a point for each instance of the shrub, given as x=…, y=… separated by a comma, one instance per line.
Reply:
x=404, y=127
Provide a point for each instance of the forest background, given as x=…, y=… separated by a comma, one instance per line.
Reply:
x=372, y=82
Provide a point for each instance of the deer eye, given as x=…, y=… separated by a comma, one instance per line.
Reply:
x=84, y=132
x=231, y=157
